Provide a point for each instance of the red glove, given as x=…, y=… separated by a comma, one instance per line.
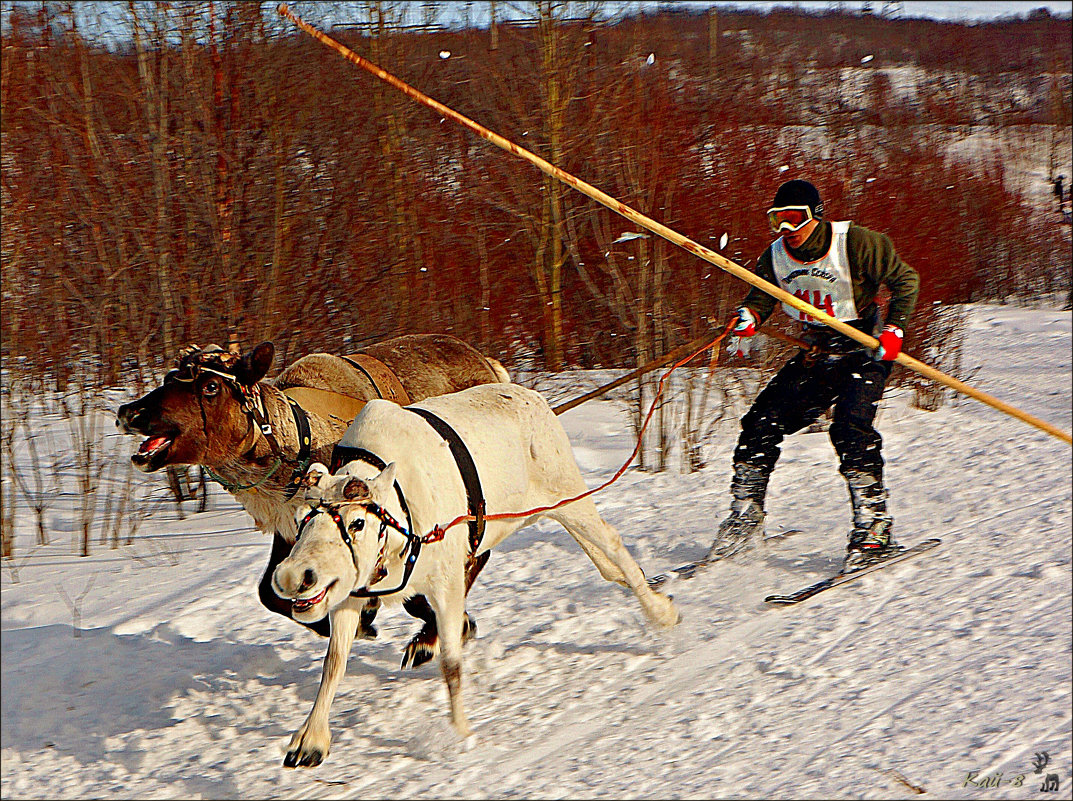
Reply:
x=890, y=343
x=746, y=327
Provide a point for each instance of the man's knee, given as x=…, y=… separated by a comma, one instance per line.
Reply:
x=858, y=445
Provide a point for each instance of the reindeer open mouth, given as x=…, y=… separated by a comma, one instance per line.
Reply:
x=305, y=604
x=151, y=454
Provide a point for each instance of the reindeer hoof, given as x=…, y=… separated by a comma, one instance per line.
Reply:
x=426, y=643
x=299, y=759
x=366, y=629
x=418, y=652
x=469, y=629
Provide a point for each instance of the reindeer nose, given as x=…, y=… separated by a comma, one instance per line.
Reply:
x=126, y=417
x=309, y=579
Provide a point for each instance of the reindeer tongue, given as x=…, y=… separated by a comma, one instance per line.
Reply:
x=152, y=444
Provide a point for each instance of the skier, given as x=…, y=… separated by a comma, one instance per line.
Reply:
x=837, y=267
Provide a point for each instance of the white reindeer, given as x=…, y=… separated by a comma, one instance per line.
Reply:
x=359, y=529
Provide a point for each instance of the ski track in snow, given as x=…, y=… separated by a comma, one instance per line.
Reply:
x=182, y=686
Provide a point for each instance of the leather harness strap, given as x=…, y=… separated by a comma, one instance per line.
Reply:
x=468, y=470
x=305, y=447
x=384, y=381
x=343, y=454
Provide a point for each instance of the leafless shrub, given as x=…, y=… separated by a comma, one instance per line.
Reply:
x=83, y=418
x=15, y=564
x=9, y=425
x=38, y=479
x=186, y=484
x=943, y=346
x=76, y=605
x=125, y=505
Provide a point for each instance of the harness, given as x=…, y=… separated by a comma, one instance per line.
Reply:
x=468, y=470
x=385, y=383
x=193, y=363
x=413, y=544
x=344, y=454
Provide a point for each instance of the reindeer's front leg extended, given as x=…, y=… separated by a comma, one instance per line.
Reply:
x=450, y=613
x=310, y=744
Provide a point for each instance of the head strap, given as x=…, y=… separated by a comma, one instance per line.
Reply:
x=194, y=360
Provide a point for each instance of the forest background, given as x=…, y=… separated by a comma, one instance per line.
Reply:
x=203, y=172
x=216, y=175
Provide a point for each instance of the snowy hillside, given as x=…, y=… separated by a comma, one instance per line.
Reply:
x=182, y=686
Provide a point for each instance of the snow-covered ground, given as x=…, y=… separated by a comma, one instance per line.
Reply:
x=182, y=686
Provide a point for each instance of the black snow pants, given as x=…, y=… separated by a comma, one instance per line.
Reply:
x=806, y=387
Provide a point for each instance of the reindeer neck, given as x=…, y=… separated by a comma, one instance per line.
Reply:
x=264, y=476
x=268, y=463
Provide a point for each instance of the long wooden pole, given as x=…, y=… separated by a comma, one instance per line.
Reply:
x=670, y=235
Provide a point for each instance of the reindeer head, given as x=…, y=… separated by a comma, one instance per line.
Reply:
x=341, y=540
x=196, y=416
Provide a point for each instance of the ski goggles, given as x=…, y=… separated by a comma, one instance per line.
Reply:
x=789, y=218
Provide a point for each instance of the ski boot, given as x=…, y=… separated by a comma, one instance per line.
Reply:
x=744, y=527
x=872, y=539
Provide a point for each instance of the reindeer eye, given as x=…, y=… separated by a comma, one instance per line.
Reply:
x=211, y=388
x=357, y=525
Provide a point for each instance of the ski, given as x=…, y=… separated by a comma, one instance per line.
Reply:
x=690, y=569
x=842, y=578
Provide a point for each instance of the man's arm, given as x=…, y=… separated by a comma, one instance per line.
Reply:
x=880, y=265
x=761, y=303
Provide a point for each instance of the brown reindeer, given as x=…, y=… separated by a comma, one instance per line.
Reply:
x=256, y=437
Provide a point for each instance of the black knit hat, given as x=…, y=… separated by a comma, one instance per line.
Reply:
x=799, y=193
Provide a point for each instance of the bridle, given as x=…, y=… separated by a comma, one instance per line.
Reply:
x=411, y=549
x=194, y=362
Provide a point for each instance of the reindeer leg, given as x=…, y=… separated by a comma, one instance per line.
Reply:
x=312, y=741
x=280, y=550
x=451, y=614
x=425, y=644
x=605, y=547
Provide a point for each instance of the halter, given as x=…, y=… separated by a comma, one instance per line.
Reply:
x=413, y=544
x=344, y=454
x=193, y=361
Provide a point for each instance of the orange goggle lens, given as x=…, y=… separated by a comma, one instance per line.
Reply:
x=791, y=218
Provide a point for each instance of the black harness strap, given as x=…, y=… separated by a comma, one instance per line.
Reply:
x=343, y=454
x=468, y=470
x=301, y=422
x=355, y=365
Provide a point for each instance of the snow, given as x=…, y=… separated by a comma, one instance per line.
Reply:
x=181, y=685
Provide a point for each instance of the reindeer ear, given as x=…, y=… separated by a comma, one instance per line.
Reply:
x=254, y=365
x=355, y=490
x=314, y=474
x=383, y=484
x=313, y=482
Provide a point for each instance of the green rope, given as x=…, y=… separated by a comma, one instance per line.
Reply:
x=237, y=487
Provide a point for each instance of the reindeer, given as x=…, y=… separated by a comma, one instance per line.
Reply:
x=256, y=438
x=381, y=526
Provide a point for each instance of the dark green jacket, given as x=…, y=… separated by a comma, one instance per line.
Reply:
x=872, y=262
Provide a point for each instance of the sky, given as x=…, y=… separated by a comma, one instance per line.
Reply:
x=107, y=14
x=956, y=10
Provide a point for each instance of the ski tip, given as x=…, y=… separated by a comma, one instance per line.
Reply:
x=779, y=600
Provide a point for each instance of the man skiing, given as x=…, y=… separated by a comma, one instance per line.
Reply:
x=838, y=267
